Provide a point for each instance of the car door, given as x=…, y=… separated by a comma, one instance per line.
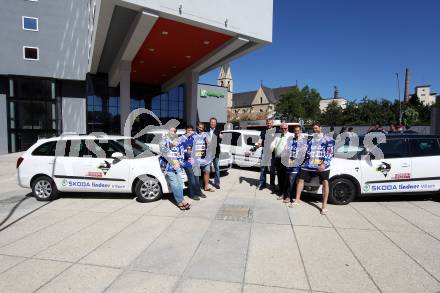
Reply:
x=229, y=143
x=251, y=158
x=425, y=161
x=71, y=164
x=104, y=173
x=390, y=173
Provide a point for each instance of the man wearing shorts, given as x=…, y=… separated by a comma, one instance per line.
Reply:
x=317, y=163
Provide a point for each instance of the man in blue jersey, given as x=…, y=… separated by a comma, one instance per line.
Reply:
x=317, y=163
x=187, y=143
x=202, y=158
x=171, y=152
x=296, y=151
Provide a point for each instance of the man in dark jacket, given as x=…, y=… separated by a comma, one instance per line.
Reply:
x=215, y=136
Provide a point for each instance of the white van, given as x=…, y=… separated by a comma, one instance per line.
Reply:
x=240, y=144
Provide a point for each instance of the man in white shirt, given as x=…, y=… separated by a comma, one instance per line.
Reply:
x=278, y=146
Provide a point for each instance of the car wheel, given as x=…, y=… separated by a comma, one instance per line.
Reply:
x=44, y=189
x=148, y=189
x=342, y=191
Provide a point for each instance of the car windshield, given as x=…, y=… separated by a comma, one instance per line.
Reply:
x=139, y=148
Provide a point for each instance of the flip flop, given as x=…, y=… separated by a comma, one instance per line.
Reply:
x=324, y=211
x=292, y=204
x=210, y=190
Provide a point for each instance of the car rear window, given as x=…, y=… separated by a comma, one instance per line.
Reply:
x=46, y=149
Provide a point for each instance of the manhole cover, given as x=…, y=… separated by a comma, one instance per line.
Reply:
x=235, y=213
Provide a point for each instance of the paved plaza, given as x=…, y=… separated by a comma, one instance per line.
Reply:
x=239, y=239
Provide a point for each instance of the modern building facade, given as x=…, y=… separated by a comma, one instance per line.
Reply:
x=83, y=65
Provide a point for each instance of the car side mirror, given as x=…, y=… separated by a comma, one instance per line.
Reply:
x=117, y=155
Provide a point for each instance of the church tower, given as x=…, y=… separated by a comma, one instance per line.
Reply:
x=225, y=79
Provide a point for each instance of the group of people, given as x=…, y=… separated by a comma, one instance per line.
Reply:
x=193, y=153
x=291, y=157
x=296, y=158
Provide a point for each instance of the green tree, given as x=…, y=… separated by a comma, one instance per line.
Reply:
x=410, y=116
x=299, y=103
x=333, y=115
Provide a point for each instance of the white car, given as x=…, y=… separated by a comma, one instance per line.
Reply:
x=84, y=163
x=153, y=138
x=411, y=163
x=240, y=143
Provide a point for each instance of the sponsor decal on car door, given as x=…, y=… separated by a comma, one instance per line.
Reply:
x=392, y=173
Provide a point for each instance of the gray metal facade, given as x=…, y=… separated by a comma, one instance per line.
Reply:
x=63, y=38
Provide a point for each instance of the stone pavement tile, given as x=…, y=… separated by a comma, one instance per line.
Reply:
x=345, y=216
x=76, y=203
x=270, y=212
x=12, y=211
x=166, y=209
x=241, y=194
x=222, y=253
x=36, y=242
x=307, y=215
x=205, y=208
x=423, y=219
x=265, y=289
x=172, y=251
x=422, y=247
x=82, y=243
x=390, y=268
x=274, y=259
x=383, y=218
x=328, y=262
x=30, y=275
x=204, y=286
x=139, y=208
x=142, y=282
x=8, y=261
x=250, y=202
x=431, y=206
x=111, y=205
x=36, y=221
x=81, y=278
x=129, y=243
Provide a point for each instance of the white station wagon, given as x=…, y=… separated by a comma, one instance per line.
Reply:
x=85, y=163
x=410, y=163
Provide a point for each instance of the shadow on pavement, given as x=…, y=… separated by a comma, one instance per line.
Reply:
x=250, y=181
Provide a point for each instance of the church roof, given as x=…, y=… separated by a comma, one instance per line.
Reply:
x=245, y=99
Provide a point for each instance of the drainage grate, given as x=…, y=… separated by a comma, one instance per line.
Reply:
x=236, y=213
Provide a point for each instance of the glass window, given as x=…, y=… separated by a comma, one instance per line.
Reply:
x=424, y=147
x=30, y=23
x=251, y=139
x=31, y=53
x=75, y=148
x=394, y=148
x=46, y=149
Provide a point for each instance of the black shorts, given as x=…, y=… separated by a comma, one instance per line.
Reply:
x=307, y=175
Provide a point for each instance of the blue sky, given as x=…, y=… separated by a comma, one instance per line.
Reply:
x=356, y=45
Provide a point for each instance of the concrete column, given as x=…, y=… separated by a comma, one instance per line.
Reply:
x=3, y=125
x=124, y=91
x=191, y=81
